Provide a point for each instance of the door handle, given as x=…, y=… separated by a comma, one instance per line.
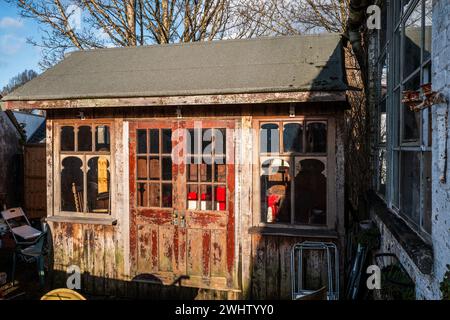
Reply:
x=175, y=218
x=183, y=221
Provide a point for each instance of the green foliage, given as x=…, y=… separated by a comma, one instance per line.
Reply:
x=445, y=285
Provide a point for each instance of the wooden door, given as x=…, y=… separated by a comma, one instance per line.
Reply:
x=182, y=222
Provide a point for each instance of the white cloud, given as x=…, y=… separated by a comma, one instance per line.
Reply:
x=9, y=22
x=11, y=44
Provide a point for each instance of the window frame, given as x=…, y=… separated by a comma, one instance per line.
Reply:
x=58, y=156
x=395, y=144
x=330, y=169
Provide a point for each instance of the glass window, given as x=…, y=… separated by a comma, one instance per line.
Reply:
x=412, y=39
x=154, y=168
x=293, y=187
x=270, y=138
x=293, y=137
x=207, y=170
x=85, y=174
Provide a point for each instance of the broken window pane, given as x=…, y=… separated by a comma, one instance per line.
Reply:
x=310, y=192
x=192, y=169
x=102, y=142
x=382, y=171
x=72, y=184
x=276, y=191
x=67, y=138
x=154, y=141
x=316, y=137
x=142, y=141
x=382, y=122
x=383, y=76
x=428, y=23
x=84, y=138
x=269, y=138
x=293, y=137
x=98, y=182
x=166, y=141
x=410, y=186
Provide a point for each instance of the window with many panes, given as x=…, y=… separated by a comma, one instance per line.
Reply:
x=85, y=165
x=403, y=159
x=293, y=172
x=206, y=169
x=154, y=168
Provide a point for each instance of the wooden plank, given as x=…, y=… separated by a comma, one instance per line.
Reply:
x=218, y=252
x=284, y=248
x=272, y=268
x=242, y=98
x=166, y=248
x=258, y=268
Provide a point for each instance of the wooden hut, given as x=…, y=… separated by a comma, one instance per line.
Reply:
x=194, y=165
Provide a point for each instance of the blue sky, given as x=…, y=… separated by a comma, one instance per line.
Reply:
x=16, y=54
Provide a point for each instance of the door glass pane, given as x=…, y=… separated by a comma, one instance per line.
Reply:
x=275, y=191
x=205, y=197
x=84, y=138
x=411, y=119
x=220, y=198
x=269, y=138
x=166, y=141
x=310, y=192
x=72, y=185
x=220, y=138
x=98, y=181
x=192, y=196
x=102, y=142
x=206, y=170
x=193, y=141
x=142, y=141
x=154, y=168
x=220, y=169
x=293, y=137
x=142, y=168
x=154, y=194
x=167, y=195
x=167, y=168
x=67, y=139
x=192, y=169
x=410, y=186
x=316, y=137
x=412, y=41
x=142, y=195
x=207, y=141
x=154, y=141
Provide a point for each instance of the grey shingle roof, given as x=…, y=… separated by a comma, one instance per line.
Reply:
x=280, y=64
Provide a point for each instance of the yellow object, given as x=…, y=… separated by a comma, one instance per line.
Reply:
x=102, y=175
x=62, y=294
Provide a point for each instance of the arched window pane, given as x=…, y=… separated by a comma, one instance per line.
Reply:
x=293, y=137
x=102, y=138
x=72, y=185
x=67, y=139
x=84, y=138
x=316, y=137
x=270, y=138
x=98, y=184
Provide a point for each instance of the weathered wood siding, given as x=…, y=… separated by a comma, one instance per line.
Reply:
x=35, y=193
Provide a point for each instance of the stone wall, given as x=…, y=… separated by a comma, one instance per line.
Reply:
x=441, y=134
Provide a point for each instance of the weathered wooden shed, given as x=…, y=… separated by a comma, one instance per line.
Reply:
x=195, y=165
